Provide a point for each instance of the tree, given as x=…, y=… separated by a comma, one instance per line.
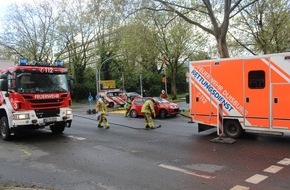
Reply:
x=267, y=24
x=30, y=31
x=137, y=46
x=207, y=16
x=77, y=31
x=176, y=41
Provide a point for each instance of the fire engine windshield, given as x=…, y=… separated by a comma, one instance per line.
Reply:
x=41, y=82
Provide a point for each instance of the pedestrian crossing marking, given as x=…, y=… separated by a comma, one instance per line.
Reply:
x=273, y=169
x=285, y=161
x=255, y=179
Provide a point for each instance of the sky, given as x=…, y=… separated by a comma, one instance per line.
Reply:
x=3, y=5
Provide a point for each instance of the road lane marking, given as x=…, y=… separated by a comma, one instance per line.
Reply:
x=273, y=169
x=255, y=179
x=25, y=152
x=76, y=138
x=285, y=161
x=239, y=187
x=185, y=171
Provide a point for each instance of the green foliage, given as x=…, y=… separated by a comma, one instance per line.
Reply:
x=82, y=91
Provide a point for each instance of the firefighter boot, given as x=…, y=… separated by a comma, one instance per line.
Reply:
x=107, y=125
x=100, y=126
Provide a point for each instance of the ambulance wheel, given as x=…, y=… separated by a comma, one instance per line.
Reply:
x=4, y=126
x=232, y=129
x=111, y=104
x=58, y=128
x=133, y=114
x=162, y=114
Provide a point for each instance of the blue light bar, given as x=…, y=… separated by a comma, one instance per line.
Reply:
x=58, y=63
x=22, y=61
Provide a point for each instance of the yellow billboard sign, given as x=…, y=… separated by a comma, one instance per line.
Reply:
x=107, y=84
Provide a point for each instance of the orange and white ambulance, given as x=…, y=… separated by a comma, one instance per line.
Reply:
x=253, y=93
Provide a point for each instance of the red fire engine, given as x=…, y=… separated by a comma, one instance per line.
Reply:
x=34, y=96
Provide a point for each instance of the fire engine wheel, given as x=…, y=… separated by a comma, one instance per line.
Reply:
x=58, y=127
x=5, y=131
x=133, y=114
x=111, y=104
x=233, y=129
x=162, y=114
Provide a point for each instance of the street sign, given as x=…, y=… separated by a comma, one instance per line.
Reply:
x=90, y=99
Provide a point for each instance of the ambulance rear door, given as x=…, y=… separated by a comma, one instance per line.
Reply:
x=280, y=91
x=256, y=92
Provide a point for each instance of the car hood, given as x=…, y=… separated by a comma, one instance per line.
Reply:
x=172, y=105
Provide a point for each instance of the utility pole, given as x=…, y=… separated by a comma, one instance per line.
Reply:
x=123, y=81
x=141, y=85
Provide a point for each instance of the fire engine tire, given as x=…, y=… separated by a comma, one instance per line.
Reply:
x=163, y=114
x=133, y=114
x=111, y=104
x=233, y=129
x=58, y=128
x=4, y=126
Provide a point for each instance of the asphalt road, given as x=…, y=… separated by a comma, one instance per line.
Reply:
x=127, y=157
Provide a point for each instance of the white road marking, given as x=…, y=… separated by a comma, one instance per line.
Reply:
x=273, y=169
x=285, y=161
x=239, y=187
x=255, y=179
x=105, y=187
x=76, y=138
x=25, y=152
x=185, y=171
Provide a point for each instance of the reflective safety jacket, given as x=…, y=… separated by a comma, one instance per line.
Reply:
x=101, y=106
x=148, y=107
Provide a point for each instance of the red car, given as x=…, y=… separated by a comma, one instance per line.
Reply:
x=163, y=108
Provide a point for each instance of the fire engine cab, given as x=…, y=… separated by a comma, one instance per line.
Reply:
x=34, y=96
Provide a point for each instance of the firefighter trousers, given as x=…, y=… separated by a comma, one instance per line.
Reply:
x=104, y=120
x=148, y=120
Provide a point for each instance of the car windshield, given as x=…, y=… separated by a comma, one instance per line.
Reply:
x=41, y=82
x=160, y=100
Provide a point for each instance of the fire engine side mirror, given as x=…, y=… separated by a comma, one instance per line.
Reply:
x=71, y=83
x=3, y=82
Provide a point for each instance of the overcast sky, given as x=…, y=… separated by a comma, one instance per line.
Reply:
x=3, y=6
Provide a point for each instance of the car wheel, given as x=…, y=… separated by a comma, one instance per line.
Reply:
x=162, y=114
x=4, y=126
x=58, y=127
x=133, y=114
x=233, y=129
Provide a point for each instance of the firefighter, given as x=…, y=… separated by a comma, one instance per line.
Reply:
x=147, y=111
x=102, y=108
x=127, y=105
x=164, y=95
